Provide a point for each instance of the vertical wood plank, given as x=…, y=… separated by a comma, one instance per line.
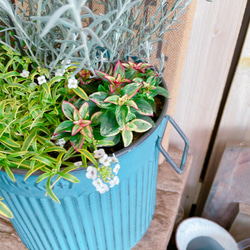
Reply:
x=213, y=38
x=235, y=123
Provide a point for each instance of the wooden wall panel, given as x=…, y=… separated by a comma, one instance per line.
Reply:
x=235, y=123
x=213, y=38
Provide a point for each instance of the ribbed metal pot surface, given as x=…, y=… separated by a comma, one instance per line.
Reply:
x=86, y=219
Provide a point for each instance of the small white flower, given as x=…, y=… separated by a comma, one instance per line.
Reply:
x=105, y=160
x=61, y=142
x=100, y=186
x=78, y=163
x=103, y=188
x=25, y=73
x=41, y=80
x=59, y=72
x=116, y=168
x=92, y=174
x=33, y=85
x=114, y=182
x=97, y=183
x=99, y=153
x=72, y=83
x=114, y=159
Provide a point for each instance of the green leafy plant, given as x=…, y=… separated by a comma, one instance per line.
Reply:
x=73, y=80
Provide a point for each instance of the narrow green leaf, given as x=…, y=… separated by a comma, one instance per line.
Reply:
x=50, y=192
x=44, y=159
x=68, y=177
x=42, y=177
x=36, y=168
x=9, y=172
x=10, y=74
x=17, y=85
x=57, y=79
x=81, y=93
x=105, y=143
x=5, y=211
x=88, y=155
x=55, y=149
x=29, y=139
x=68, y=169
x=46, y=88
x=8, y=142
x=52, y=119
x=17, y=154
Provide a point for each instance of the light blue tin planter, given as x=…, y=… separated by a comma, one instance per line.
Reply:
x=86, y=219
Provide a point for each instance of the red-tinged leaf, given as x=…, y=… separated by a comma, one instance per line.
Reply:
x=96, y=118
x=76, y=115
x=98, y=97
x=100, y=74
x=84, y=110
x=77, y=141
x=87, y=132
x=68, y=109
x=144, y=107
x=131, y=89
x=75, y=130
x=111, y=79
x=109, y=125
x=121, y=115
x=119, y=69
x=112, y=99
x=132, y=104
x=65, y=126
x=127, y=137
x=141, y=125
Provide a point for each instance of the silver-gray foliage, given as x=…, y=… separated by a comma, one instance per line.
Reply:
x=57, y=30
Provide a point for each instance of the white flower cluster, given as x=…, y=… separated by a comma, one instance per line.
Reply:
x=72, y=81
x=104, y=177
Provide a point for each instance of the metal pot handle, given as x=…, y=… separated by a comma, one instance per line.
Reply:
x=178, y=169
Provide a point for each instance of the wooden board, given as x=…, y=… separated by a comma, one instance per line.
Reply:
x=231, y=186
x=240, y=228
x=235, y=121
x=212, y=42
